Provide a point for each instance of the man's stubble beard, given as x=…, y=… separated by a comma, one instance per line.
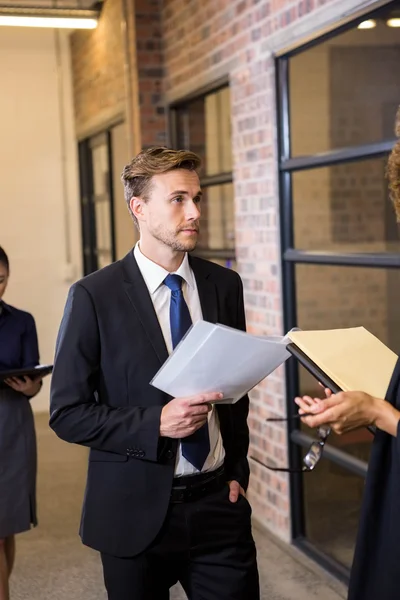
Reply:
x=171, y=240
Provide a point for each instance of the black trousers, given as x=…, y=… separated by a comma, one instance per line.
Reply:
x=206, y=545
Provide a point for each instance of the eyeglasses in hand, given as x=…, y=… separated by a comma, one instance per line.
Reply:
x=314, y=454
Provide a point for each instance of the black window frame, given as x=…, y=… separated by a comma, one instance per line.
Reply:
x=205, y=181
x=87, y=203
x=290, y=257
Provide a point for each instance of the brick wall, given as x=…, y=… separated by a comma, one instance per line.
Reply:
x=103, y=72
x=98, y=70
x=150, y=72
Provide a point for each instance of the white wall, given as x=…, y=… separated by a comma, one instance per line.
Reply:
x=39, y=202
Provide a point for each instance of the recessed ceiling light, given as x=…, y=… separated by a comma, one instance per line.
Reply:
x=48, y=17
x=369, y=24
x=393, y=22
x=52, y=22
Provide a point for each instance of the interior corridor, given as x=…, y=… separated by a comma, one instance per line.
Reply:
x=52, y=564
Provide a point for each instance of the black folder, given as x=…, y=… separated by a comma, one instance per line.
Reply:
x=313, y=368
x=32, y=372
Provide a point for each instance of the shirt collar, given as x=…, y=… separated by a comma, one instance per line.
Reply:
x=154, y=274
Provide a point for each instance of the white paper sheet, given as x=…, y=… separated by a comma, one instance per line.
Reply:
x=216, y=358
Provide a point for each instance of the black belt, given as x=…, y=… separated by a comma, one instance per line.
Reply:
x=193, y=487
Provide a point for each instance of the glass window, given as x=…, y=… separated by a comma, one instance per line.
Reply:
x=332, y=508
x=204, y=126
x=345, y=91
x=218, y=218
x=333, y=297
x=344, y=208
x=126, y=233
x=102, y=201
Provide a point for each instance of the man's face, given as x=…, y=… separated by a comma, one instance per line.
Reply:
x=3, y=279
x=172, y=212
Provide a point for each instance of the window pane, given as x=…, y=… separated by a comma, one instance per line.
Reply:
x=204, y=126
x=332, y=507
x=100, y=169
x=191, y=128
x=102, y=203
x=331, y=297
x=344, y=208
x=217, y=229
x=345, y=91
x=125, y=231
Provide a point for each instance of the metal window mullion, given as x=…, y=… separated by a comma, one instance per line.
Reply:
x=337, y=156
x=371, y=260
x=111, y=196
x=217, y=179
x=289, y=291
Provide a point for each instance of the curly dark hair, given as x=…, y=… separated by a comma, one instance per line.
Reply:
x=393, y=170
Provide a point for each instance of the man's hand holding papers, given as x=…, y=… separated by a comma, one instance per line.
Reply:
x=183, y=416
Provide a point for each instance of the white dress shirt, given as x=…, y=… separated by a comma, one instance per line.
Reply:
x=154, y=276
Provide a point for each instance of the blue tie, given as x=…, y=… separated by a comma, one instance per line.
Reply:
x=195, y=447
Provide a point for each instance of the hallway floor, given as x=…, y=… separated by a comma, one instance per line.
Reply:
x=52, y=564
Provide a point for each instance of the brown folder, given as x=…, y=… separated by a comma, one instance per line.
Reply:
x=354, y=359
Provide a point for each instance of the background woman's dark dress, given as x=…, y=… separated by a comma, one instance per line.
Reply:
x=376, y=567
x=18, y=348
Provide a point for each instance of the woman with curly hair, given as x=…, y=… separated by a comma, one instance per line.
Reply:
x=375, y=573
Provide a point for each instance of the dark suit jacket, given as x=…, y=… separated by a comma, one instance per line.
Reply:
x=375, y=574
x=109, y=347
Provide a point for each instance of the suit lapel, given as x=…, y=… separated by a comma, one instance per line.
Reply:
x=209, y=306
x=140, y=298
x=207, y=290
x=2, y=321
x=4, y=315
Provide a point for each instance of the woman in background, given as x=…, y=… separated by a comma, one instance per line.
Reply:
x=18, y=348
x=375, y=573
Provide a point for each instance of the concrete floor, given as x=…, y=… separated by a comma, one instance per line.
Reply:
x=53, y=565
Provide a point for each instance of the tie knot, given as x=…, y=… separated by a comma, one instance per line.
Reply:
x=173, y=282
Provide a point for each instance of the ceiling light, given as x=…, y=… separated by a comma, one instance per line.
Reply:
x=393, y=22
x=58, y=23
x=53, y=18
x=369, y=24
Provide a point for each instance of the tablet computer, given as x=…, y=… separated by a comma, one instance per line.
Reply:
x=32, y=372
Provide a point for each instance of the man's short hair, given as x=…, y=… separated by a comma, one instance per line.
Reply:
x=137, y=175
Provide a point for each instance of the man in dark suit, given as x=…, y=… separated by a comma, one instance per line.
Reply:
x=165, y=495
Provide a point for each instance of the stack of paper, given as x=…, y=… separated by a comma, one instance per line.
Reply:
x=216, y=358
